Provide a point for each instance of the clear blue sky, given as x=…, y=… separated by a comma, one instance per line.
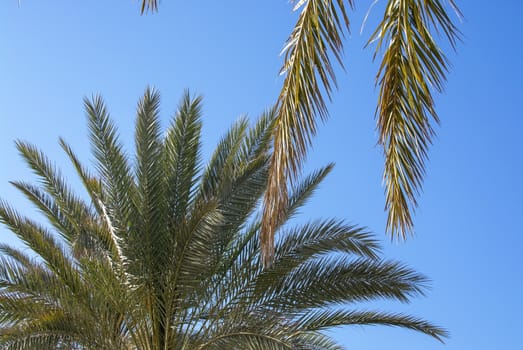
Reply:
x=469, y=236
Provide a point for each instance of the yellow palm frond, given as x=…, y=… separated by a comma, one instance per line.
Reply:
x=308, y=73
x=413, y=65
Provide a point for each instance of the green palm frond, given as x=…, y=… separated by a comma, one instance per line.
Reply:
x=148, y=238
x=259, y=137
x=223, y=164
x=112, y=165
x=105, y=233
x=16, y=254
x=413, y=65
x=318, y=320
x=182, y=156
x=318, y=283
x=165, y=253
x=303, y=191
x=313, y=239
x=44, y=341
x=65, y=210
x=41, y=242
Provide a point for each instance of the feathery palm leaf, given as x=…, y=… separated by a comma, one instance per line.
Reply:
x=308, y=74
x=165, y=254
x=412, y=64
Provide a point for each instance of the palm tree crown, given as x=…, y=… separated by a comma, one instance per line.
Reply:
x=164, y=253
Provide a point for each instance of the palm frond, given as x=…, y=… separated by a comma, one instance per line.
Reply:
x=16, y=254
x=194, y=241
x=150, y=238
x=257, y=141
x=325, y=236
x=112, y=165
x=104, y=234
x=320, y=282
x=44, y=341
x=413, y=65
x=91, y=183
x=41, y=241
x=217, y=177
x=308, y=75
x=182, y=155
x=304, y=190
x=252, y=339
x=58, y=202
x=318, y=320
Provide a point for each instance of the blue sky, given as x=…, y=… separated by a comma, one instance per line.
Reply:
x=468, y=236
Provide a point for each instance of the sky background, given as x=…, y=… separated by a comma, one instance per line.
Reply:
x=468, y=236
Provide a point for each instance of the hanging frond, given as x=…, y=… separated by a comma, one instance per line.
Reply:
x=412, y=68
x=309, y=75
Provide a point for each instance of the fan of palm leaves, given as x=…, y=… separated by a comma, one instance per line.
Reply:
x=162, y=252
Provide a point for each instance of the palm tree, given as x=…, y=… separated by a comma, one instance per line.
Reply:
x=412, y=67
x=163, y=253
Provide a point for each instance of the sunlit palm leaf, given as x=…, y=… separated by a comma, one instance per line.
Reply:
x=413, y=66
x=309, y=74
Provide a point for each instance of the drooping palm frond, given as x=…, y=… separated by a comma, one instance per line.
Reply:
x=413, y=66
x=174, y=261
x=308, y=75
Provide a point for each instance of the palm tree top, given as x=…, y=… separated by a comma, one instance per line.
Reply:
x=163, y=252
